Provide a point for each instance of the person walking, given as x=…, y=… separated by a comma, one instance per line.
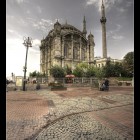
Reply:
x=106, y=83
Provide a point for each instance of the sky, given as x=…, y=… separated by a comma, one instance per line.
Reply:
x=35, y=18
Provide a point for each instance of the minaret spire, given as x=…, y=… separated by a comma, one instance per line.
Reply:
x=66, y=21
x=84, y=27
x=103, y=24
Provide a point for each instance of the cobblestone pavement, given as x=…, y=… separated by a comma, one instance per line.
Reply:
x=75, y=114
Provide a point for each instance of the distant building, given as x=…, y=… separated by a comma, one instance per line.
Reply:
x=100, y=62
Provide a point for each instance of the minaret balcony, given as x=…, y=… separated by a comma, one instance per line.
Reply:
x=103, y=19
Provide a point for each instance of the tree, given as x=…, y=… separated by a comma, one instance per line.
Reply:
x=128, y=63
x=68, y=70
x=118, y=69
x=33, y=74
x=78, y=72
x=37, y=74
x=57, y=72
x=99, y=73
x=108, y=70
x=91, y=71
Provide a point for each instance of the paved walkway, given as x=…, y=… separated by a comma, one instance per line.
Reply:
x=75, y=114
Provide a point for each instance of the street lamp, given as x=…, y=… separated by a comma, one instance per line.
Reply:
x=27, y=43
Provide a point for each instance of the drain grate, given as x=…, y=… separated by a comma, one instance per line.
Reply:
x=107, y=100
x=50, y=103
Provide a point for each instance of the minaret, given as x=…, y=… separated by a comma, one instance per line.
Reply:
x=84, y=27
x=91, y=47
x=103, y=23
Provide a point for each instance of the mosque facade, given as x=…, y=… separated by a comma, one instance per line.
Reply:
x=65, y=45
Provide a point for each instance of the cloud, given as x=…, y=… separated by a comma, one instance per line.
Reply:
x=36, y=42
x=22, y=22
x=121, y=10
x=39, y=9
x=129, y=3
x=15, y=56
x=28, y=12
x=20, y=1
x=108, y=3
x=11, y=31
x=114, y=34
x=98, y=30
x=89, y=2
x=35, y=45
x=117, y=37
x=14, y=43
x=44, y=25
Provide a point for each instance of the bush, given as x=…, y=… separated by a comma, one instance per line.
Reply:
x=124, y=79
x=119, y=83
x=53, y=84
x=78, y=72
x=57, y=72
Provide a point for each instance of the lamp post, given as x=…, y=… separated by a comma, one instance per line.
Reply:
x=27, y=43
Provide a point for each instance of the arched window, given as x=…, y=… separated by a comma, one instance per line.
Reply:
x=66, y=50
x=75, y=53
x=83, y=54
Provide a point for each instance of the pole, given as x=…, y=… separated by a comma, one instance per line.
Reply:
x=25, y=69
x=27, y=43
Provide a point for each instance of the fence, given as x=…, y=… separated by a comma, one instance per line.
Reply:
x=70, y=81
x=78, y=81
x=39, y=80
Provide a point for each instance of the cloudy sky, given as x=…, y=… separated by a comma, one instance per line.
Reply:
x=34, y=18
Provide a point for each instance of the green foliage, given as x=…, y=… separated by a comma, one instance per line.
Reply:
x=118, y=69
x=83, y=65
x=109, y=69
x=78, y=72
x=57, y=72
x=113, y=69
x=68, y=70
x=53, y=84
x=124, y=79
x=33, y=74
x=37, y=74
x=99, y=73
x=90, y=72
x=128, y=63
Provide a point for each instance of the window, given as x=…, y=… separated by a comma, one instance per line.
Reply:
x=75, y=53
x=83, y=54
x=66, y=50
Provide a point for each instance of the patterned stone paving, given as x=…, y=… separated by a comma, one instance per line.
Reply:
x=78, y=127
x=71, y=118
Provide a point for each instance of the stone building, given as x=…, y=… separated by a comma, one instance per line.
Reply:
x=66, y=45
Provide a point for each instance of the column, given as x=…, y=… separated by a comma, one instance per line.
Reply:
x=104, y=40
x=87, y=53
x=80, y=47
x=72, y=50
x=62, y=51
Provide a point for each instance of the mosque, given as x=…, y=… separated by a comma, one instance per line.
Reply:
x=66, y=45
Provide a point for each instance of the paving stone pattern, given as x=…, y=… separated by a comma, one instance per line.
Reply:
x=49, y=116
x=78, y=127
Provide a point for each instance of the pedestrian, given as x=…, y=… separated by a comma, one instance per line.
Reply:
x=7, y=82
x=106, y=83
